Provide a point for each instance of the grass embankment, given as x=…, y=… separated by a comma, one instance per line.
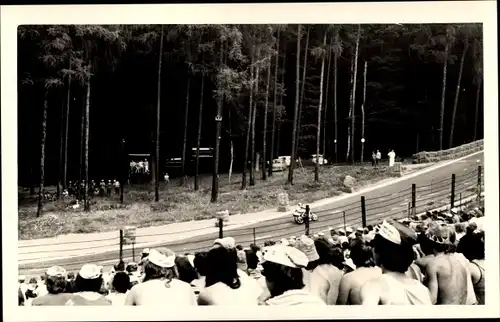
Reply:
x=179, y=204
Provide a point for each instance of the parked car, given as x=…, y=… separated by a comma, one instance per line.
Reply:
x=321, y=159
x=279, y=165
x=286, y=159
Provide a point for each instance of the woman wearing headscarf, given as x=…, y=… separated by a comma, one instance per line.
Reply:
x=283, y=270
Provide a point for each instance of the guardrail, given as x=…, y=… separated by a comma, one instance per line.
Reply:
x=406, y=203
x=453, y=153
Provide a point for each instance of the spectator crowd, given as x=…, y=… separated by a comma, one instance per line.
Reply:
x=430, y=260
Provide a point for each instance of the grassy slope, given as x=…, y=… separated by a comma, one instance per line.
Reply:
x=183, y=203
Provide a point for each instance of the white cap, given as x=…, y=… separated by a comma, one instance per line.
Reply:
x=56, y=271
x=348, y=230
x=227, y=242
x=349, y=263
x=90, y=271
x=145, y=251
x=390, y=233
x=161, y=260
x=285, y=255
x=285, y=242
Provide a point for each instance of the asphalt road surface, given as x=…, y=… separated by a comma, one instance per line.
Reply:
x=433, y=189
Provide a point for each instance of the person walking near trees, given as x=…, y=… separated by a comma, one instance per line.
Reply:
x=379, y=157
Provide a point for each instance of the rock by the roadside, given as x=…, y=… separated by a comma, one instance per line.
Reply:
x=349, y=181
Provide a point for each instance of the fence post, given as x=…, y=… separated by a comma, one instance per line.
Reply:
x=479, y=170
x=254, y=236
x=363, y=211
x=343, y=216
x=133, y=252
x=221, y=229
x=413, y=199
x=452, y=190
x=409, y=209
x=121, y=245
x=306, y=219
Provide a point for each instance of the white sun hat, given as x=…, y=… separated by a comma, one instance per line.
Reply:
x=161, y=260
x=285, y=255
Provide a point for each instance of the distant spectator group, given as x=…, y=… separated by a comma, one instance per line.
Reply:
x=437, y=259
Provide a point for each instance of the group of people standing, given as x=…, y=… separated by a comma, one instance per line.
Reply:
x=102, y=189
x=377, y=157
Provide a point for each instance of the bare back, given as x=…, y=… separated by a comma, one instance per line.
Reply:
x=351, y=283
x=452, y=278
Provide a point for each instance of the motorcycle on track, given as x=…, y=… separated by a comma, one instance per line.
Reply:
x=299, y=214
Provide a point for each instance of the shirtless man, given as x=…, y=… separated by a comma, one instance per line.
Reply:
x=393, y=253
x=351, y=283
x=447, y=273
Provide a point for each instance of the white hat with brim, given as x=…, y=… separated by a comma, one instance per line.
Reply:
x=348, y=230
x=158, y=259
x=22, y=278
x=145, y=251
x=56, y=271
x=285, y=242
x=360, y=229
x=90, y=271
x=285, y=255
x=306, y=246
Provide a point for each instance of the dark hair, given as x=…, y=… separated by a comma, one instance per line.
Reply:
x=345, y=245
x=425, y=243
x=153, y=271
x=71, y=275
x=239, y=247
x=186, y=271
x=361, y=254
x=252, y=259
x=120, y=267
x=476, y=247
x=255, y=248
x=88, y=285
x=222, y=267
x=282, y=278
x=370, y=227
x=393, y=257
x=200, y=263
x=56, y=284
x=328, y=254
x=121, y=282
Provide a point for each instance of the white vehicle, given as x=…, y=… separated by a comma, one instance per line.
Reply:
x=321, y=159
x=286, y=158
x=279, y=165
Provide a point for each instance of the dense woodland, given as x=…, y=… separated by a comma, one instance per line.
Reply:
x=88, y=95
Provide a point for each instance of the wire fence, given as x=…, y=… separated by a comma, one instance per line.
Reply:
x=450, y=192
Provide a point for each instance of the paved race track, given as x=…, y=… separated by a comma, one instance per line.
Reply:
x=433, y=190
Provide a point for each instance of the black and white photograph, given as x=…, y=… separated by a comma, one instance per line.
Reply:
x=314, y=161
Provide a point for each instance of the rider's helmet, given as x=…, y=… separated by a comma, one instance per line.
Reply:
x=300, y=204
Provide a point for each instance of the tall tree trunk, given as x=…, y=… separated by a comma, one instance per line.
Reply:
x=218, y=133
x=264, y=136
x=296, y=109
x=349, y=125
x=156, y=164
x=231, y=146
x=249, y=126
x=353, y=116
x=335, y=70
x=457, y=93
x=198, y=140
x=82, y=142
x=184, y=141
x=478, y=92
x=32, y=182
x=278, y=139
x=304, y=68
x=41, y=189
x=61, y=152
x=125, y=172
x=86, y=146
x=318, y=130
x=443, y=95
x=254, y=116
x=276, y=65
x=66, y=122
x=363, y=113
x=327, y=91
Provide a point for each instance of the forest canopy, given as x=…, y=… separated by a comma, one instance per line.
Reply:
x=90, y=93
